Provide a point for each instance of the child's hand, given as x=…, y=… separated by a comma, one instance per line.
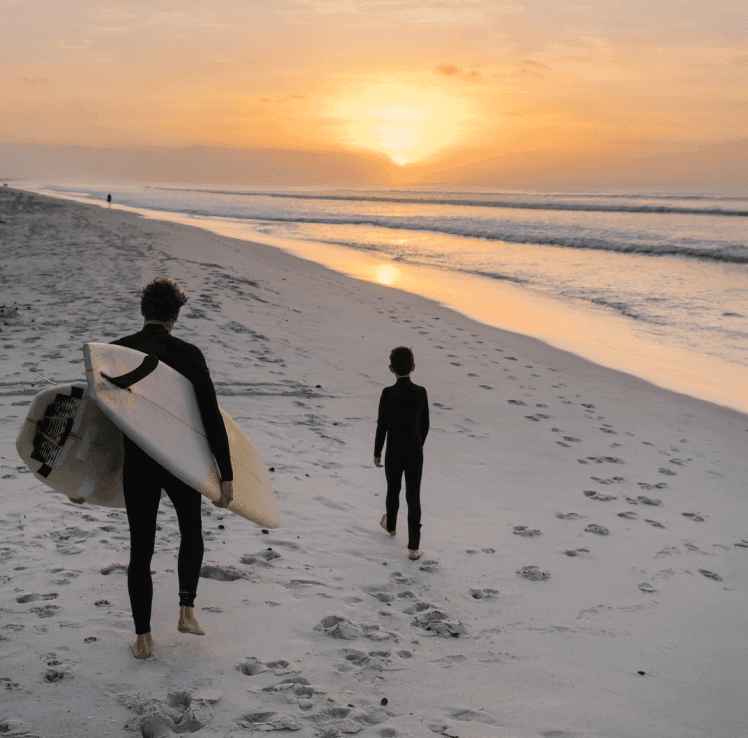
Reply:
x=378, y=461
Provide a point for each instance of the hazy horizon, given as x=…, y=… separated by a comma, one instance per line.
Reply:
x=725, y=164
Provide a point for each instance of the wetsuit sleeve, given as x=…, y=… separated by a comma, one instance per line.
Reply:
x=383, y=424
x=424, y=418
x=211, y=415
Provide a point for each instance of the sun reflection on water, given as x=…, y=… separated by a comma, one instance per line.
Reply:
x=387, y=273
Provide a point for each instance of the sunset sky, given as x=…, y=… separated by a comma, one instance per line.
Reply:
x=410, y=79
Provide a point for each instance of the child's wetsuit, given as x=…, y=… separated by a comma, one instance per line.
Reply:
x=404, y=421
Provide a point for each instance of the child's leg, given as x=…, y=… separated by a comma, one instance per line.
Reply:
x=413, y=471
x=393, y=471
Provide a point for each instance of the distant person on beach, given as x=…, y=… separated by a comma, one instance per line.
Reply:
x=109, y=200
x=404, y=421
x=143, y=478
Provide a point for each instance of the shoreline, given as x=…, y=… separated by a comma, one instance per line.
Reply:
x=560, y=324
x=521, y=432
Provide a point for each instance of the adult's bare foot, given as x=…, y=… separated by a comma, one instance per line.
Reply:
x=142, y=646
x=188, y=623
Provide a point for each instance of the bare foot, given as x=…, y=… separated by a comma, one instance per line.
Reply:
x=188, y=623
x=142, y=646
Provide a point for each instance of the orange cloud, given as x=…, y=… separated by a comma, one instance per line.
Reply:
x=450, y=70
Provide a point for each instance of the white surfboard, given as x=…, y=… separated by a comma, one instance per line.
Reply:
x=159, y=412
x=72, y=446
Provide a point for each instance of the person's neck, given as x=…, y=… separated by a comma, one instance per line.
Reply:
x=167, y=324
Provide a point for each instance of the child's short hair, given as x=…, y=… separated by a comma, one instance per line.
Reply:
x=162, y=299
x=401, y=360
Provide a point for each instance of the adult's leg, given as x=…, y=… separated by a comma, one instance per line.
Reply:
x=413, y=472
x=142, y=488
x=187, y=503
x=393, y=471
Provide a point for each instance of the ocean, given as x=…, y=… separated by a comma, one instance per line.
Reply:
x=652, y=281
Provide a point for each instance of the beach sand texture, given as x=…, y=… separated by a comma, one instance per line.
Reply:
x=584, y=533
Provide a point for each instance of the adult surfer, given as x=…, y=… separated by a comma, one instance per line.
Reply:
x=143, y=478
x=109, y=199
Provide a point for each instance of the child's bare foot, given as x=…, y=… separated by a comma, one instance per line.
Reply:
x=142, y=646
x=188, y=623
x=383, y=523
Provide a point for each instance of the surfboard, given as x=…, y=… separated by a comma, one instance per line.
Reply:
x=157, y=409
x=72, y=446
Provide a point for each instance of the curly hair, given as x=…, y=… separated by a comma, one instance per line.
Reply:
x=401, y=360
x=162, y=299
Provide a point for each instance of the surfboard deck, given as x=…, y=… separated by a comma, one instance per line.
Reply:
x=72, y=446
x=161, y=415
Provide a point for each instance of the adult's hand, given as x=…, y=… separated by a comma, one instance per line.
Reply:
x=378, y=461
x=227, y=494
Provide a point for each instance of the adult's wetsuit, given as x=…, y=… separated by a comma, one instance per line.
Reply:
x=143, y=479
x=404, y=421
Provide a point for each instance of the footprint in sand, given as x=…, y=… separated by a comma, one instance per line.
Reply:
x=483, y=594
x=107, y=570
x=262, y=558
x=33, y=597
x=252, y=667
x=416, y=607
x=655, y=523
x=465, y=715
x=644, y=501
x=525, y=532
x=577, y=552
x=592, y=495
x=222, y=573
x=601, y=530
x=629, y=515
x=180, y=712
x=57, y=670
x=647, y=588
x=696, y=517
x=46, y=611
x=438, y=622
x=429, y=565
x=710, y=575
x=569, y=516
x=534, y=573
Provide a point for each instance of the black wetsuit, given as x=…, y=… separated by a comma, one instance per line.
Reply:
x=143, y=479
x=404, y=420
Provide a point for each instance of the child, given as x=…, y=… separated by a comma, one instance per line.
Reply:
x=404, y=421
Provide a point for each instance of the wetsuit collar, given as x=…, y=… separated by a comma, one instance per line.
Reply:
x=155, y=329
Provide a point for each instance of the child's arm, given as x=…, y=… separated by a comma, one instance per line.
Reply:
x=424, y=418
x=383, y=422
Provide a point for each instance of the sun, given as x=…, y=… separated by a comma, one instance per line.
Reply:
x=406, y=121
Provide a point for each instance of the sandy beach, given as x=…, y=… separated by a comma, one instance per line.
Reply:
x=585, y=533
